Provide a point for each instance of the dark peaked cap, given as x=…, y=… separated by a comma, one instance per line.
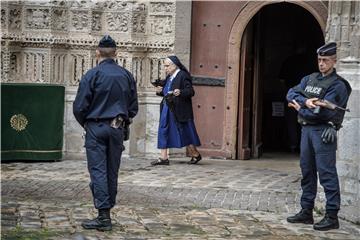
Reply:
x=328, y=49
x=107, y=42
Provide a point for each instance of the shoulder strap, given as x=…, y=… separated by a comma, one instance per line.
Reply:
x=347, y=85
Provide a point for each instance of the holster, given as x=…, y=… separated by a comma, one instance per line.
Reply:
x=126, y=132
x=117, y=122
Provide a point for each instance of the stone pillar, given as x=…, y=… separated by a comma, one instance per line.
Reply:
x=348, y=156
x=344, y=28
x=5, y=61
x=183, y=31
x=5, y=53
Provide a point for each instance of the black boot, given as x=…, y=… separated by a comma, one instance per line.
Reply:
x=304, y=216
x=102, y=222
x=330, y=221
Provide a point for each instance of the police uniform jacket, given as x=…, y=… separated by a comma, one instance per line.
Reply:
x=105, y=92
x=338, y=93
x=182, y=104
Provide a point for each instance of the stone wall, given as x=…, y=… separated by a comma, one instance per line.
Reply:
x=54, y=42
x=344, y=27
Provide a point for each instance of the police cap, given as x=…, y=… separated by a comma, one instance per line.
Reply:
x=107, y=42
x=328, y=49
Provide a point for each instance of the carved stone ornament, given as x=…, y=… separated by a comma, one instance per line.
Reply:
x=96, y=21
x=3, y=18
x=118, y=21
x=139, y=7
x=15, y=19
x=139, y=21
x=161, y=25
x=161, y=7
x=80, y=4
x=45, y=40
x=80, y=20
x=38, y=18
x=60, y=19
x=118, y=5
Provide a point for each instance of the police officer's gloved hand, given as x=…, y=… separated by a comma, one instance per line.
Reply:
x=328, y=135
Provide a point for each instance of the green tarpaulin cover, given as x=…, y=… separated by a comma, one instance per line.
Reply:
x=32, y=117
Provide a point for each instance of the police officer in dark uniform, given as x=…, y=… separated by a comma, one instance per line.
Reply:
x=105, y=102
x=318, y=138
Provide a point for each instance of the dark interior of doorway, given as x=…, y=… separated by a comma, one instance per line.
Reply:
x=286, y=37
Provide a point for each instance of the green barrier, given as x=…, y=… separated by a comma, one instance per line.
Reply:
x=32, y=117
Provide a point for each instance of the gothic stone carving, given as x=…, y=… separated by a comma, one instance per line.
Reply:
x=80, y=20
x=58, y=64
x=37, y=18
x=79, y=63
x=138, y=22
x=118, y=21
x=117, y=5
x=343, y=27
x=5, y=62
x=15, y=19
x=54, y=49
x=59, y=19
x=122, y=61
x=161, y=22
x=161, y=7
x=3, y=19
x=138, y=67
x=80, y=4
x=96, y=21
x=15, y=66
x=157, y=68
x=35, y=66
x=161, y=25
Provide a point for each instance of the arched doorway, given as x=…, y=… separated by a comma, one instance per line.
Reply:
x=256, y=82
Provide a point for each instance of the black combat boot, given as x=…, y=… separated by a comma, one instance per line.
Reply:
x=330, y=221
x=304, y=216
x=101, y=223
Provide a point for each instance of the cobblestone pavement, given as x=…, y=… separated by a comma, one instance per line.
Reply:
x=215, y=199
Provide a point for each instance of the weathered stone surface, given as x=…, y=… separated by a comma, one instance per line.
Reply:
x=54, y=42
x=343, y=28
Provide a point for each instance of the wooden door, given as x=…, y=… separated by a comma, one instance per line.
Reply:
x=245, y=95
x=256, y=149
x=211, y=25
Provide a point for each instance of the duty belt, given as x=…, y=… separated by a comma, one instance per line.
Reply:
x=304, y=122
x=113, y=122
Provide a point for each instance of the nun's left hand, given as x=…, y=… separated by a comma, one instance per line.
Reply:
x=176, y=92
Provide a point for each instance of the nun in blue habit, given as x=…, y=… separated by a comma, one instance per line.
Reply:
x=176, y=125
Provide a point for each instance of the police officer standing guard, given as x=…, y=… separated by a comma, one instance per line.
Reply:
x=105, y=102
x=318, y=139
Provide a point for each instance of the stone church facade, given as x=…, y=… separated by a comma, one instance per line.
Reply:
x=54, y=42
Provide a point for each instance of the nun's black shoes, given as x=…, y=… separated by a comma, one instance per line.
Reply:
x=160, y=161
x=195, y=160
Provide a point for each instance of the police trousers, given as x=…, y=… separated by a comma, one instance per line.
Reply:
x=104, y=146
x=318, y=157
